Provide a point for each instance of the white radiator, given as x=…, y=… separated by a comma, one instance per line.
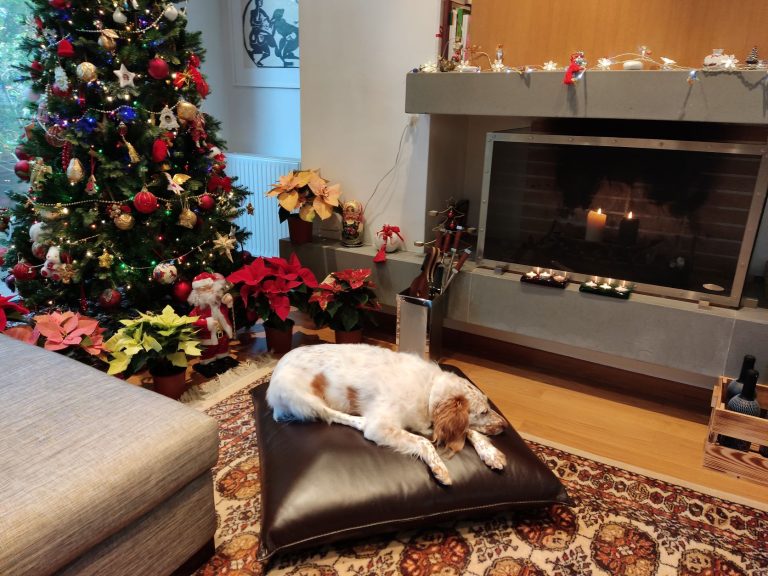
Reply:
x=258, y=174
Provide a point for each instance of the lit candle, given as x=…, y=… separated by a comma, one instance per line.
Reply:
x=530, y=274
x=559, y=277
x=628, y=228
x=545, y=275
x=623, y=288
x=592, y=283
x=595, y=225
x=607, y=285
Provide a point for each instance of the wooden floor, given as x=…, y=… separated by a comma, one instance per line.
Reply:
x=656, y=434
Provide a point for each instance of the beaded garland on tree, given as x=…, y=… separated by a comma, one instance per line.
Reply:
x=116, y=106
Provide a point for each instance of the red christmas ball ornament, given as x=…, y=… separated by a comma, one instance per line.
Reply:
x=23, y=271
x=65, y=49
x=22, y=170
x=36, y=69
x=181, y=290
x=58, y=92
x=158, y=68
x=207, y=202
x=159, y=150
x=59, y=4
x=21, y=154
x=145, y=202
x=109, y=299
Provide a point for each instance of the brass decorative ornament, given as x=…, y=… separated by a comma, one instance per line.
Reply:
x=125, y=221
x=86, y=72
x=187, y=218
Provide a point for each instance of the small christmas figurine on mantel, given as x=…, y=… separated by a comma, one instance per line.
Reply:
x=212, y=306
x=752, y=60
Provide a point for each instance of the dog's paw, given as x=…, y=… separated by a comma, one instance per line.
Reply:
x=493, y=458
x=441, y=474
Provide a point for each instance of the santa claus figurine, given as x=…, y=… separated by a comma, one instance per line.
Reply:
x=212, y=306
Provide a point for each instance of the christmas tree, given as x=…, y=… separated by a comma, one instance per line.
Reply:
x=128, y=195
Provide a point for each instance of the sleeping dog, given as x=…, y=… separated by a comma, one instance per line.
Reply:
x=395, y=400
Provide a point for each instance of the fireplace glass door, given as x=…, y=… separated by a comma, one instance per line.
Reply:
x=674, y=217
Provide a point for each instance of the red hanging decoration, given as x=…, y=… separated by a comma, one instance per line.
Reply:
x=65, y=49
x=158, y=68
x=159, y=150
x=66, y=155
x=35, y=69
x=192, y=74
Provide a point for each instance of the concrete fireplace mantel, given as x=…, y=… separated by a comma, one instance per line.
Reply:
x=715, y=96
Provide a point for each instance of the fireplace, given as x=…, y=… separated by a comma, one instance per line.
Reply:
x=668, y=206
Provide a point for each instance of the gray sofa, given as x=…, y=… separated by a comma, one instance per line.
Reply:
x=98, y=476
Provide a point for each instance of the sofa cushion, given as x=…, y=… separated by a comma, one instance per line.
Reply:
x=83, y=455
x=324, y=483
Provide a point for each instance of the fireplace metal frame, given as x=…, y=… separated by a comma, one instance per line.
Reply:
x=750, y=231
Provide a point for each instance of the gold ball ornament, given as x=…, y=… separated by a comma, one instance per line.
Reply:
x=187, y=218
x=108, y=39
x=86, y=72
x=125, y=221
x=75, y=172
x=186, y=111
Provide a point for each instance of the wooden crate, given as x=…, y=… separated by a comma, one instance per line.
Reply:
x=747, y=465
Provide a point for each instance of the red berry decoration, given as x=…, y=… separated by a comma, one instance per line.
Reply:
x=145, y=202
x=23, y=271
x=22, y=170
x=65, y=49
x=181, y=290
x=158, y=68
x=109, y=299
x=207, y=202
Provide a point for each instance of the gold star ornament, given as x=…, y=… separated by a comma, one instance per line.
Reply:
x=106, y=259
x=224, y=245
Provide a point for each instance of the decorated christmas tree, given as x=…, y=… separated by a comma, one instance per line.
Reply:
x=128, y=195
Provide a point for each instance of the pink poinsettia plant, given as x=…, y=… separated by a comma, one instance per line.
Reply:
x=69, y=332
x=345, y=300
x=308, y=192
x=270, y=286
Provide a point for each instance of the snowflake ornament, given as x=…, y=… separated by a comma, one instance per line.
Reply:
x=604, y=63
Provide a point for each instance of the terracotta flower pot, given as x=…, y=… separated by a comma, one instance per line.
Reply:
x=299, y=231
x=279, y=341
x=351, y=337
x=172, y=385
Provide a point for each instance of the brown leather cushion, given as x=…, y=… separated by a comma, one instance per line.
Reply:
x=322, y=483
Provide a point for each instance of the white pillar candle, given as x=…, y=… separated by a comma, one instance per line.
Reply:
x=595, y=225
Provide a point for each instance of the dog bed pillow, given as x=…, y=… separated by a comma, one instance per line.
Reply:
x=323, y=483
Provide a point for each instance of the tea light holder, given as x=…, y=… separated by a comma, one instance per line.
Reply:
x=607, y=287
x=546, y=277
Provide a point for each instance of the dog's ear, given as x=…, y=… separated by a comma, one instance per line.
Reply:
x=450, y=420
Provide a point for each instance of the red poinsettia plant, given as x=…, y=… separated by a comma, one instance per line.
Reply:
x=270, y=286
x=10, y=310
x=345, y=300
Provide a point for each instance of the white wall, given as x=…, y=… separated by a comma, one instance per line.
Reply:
x=355, y=57
x=263, y=121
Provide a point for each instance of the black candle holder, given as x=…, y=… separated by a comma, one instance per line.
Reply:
x=609, y=289
x=552, y=279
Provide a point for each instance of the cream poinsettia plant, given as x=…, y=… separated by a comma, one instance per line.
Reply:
x=161, y=342
x=308, y=192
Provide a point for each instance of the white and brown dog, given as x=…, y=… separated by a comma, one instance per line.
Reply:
x=387, y=396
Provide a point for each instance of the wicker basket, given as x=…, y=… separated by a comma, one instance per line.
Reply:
x=747, y=465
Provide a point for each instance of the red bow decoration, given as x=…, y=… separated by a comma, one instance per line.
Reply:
x=386, y=233
x=193, y=74
x=575, y=68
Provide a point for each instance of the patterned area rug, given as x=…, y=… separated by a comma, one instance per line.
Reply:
x=623, y=523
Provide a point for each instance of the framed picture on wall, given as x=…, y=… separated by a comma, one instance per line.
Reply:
x=265, y=42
